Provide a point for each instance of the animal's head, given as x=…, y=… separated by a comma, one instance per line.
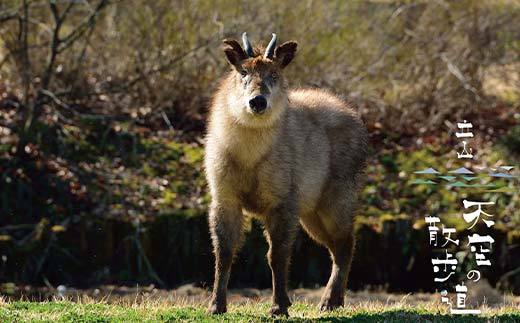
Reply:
x=258, y=92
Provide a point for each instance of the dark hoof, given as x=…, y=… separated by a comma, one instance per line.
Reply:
x=329, y=304
x=215, y=308
x=279, y=311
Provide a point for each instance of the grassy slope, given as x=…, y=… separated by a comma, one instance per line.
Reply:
x=156, y=312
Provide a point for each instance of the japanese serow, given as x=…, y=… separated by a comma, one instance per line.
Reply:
x=286, y=157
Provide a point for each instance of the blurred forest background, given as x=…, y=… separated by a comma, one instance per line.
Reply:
x=102, y=117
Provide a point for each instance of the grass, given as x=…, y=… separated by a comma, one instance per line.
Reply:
x=157, y=311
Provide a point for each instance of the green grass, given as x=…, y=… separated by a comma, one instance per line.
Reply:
x=66, y=311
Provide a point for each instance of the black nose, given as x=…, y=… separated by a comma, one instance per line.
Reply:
x=258, y=104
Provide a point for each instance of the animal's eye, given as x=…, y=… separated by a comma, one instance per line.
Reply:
x=243, y=73
x=274, y=76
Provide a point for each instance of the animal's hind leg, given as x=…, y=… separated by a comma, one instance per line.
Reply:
x=341, y=251
x=332, y=227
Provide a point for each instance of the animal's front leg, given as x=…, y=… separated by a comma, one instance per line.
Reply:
x=281, y=226
x=226, y=226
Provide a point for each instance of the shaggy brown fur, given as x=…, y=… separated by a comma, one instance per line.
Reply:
x=298, y=162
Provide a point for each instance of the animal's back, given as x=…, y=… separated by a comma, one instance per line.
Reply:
x=331, y=145
x=346, y=135
x=330, y=110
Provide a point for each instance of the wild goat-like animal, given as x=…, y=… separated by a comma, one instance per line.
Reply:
x=284, y=157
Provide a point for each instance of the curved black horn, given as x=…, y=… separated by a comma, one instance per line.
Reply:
x=269, y=51
x=247, y=45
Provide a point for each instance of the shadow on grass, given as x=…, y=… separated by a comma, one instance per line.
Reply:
x=387, y=316
x=408, y=316
x=390, y=316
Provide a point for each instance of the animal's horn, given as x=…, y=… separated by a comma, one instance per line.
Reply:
x=269, y=51
x=247, y=45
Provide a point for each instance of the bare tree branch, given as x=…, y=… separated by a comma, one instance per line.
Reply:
x=458, y=74
x=7, y=15
x=66, y=11
x=25, y=47
x=76, y=113
x=163, y=67
x=57, y=45
x=17, y=51
x=145, y=74
x=83, y=27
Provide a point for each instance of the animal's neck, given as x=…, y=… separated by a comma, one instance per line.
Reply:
x=247, y=145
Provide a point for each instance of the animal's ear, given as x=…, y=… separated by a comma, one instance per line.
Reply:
x=233, y=51
x=284, y=53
